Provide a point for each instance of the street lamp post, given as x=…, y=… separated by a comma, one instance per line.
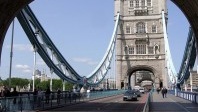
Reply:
x=11, y=55
x=33, y=78
x=51, y=71
x=176, y=86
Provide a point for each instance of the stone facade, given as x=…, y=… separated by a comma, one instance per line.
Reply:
x=140, y=41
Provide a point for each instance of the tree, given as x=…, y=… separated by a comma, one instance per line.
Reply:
x=16, y=82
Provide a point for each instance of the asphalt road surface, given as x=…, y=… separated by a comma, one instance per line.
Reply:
x=109, y=104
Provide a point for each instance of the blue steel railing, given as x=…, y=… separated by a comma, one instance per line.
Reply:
x=29, y=102
x=147, y=103
x=191, y=96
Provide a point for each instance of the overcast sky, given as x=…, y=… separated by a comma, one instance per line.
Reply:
x=81, y=30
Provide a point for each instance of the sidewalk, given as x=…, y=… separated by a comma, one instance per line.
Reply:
x=171, y=104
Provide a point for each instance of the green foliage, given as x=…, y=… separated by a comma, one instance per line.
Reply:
x=57, y=83
x=68, y=86
x=16, y=82
x=20, y=82
x=43, y=85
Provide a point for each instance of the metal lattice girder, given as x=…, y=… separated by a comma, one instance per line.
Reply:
x=39, y=39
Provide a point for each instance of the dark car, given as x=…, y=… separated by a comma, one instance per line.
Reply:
x=138, y=92
x=130, y=95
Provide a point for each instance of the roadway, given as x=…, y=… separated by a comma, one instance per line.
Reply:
x=108, y=104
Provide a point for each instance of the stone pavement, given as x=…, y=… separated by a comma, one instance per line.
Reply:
x=171, y=104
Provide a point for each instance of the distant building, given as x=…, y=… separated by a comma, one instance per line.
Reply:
x=107, y=84
x=42, y=76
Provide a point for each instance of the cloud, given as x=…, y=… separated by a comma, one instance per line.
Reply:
x=23, y=68
x=21, y=47
x=85, y=60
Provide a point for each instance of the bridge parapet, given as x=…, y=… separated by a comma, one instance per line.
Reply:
x=191, y=96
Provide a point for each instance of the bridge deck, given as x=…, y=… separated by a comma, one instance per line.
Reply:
x=171, y=104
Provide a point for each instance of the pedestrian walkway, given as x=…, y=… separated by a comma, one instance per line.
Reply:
x=171, y=103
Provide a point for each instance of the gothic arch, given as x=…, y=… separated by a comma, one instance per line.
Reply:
x=156, y=79
x=141, y=67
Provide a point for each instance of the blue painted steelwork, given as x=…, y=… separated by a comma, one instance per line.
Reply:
x=188, y=61
x=169, y=63
x=40, y=40
x=189, y=58
x=107, y=58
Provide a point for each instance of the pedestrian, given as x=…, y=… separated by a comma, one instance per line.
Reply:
x=35, y=93
x=163, y=92
x=40, y=94
x=158, y=90
x=58, y=95
x=47, y=95
x=6, y=92
x=88, y=93
x=15, y=95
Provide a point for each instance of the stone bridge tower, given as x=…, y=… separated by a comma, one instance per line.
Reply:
x=140, y=41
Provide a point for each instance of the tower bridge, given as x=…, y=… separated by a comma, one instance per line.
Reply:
x=139, y=39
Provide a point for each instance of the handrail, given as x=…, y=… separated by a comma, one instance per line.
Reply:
x=147, y=104
x=28, y=102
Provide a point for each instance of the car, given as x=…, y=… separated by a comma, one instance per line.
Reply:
x=141, y=90
x=138, y=92
x=130, y=95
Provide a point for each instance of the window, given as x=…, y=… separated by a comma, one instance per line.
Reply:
x=150, y=50
x=126, y=49
x=131, y=50
x=128, y=29
x=131, y=3
x=140, y=48
x=154, y=29
x=137, y=3
x=140, y=27
x=148, y=2
x=143, y=2
x=156, y=49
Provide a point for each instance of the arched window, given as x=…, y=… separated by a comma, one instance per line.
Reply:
x=156, y=48
x=126, y=50
x=140, y=27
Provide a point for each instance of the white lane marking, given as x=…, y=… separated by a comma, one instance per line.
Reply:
x=191, y=107
x=179, y=105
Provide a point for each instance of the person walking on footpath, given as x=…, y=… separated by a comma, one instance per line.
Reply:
x=158, y=90
x=35, y=93
x=58, y=95
x=15, y=95
x=163, y=92
x=47, y=95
